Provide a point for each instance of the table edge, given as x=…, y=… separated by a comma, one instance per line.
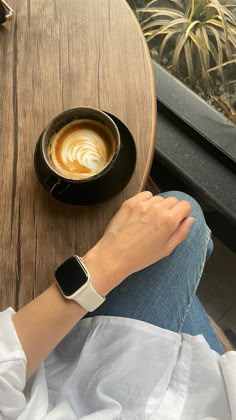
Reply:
x=154, y=105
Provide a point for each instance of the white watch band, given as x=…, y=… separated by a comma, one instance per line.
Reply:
x=88, y=298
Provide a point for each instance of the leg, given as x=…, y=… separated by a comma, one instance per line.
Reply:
x=162, y=293
x=197, y=322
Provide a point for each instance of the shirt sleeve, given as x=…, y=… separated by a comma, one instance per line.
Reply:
x=12, y=368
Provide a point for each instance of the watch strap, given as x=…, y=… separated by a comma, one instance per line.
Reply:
x=88, y=298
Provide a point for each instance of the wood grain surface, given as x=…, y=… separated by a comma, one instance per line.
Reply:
x=55, y=55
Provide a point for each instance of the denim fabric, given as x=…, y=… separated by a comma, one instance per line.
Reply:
x=164, y=294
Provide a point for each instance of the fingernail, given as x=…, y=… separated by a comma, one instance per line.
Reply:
x=191, y=221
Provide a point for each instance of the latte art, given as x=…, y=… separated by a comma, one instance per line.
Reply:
x=85, y=148
x=81, y=149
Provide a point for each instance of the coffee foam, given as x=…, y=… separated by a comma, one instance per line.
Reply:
x=81, y=149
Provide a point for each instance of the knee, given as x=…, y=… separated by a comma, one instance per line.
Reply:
x=200, y=225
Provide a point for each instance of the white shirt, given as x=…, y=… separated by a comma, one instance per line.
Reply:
x=111, y=368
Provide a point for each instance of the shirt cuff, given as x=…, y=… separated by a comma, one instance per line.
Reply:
x=10, y=345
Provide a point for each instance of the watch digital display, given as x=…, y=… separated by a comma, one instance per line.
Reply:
x=70, y=276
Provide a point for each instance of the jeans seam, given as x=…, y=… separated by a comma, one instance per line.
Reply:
x=208, y=237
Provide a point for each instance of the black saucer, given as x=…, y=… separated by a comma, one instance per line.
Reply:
x=92, y=192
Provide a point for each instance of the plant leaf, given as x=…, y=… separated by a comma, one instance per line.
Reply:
x=189, y=60
x=153, y=34
x=231, y=17
x=177, y=2
x=167, y=26
x=205, y=37
x=215, y=23
x=196, y=41
x=160, y=10
x=205, y=52
x=189, y=28
x=222, y=65
x=191, y=7
x=218, y=41
x=213, y=51
x=163, y=12
x=179, y=46
x=232, y=39
x=216, y=4
x=227, y=49
x=163, y=44
x=203, y=68
x=156, y=23
x=150, y=3
x=232, y=29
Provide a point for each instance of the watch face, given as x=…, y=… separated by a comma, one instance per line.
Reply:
x=71, y=276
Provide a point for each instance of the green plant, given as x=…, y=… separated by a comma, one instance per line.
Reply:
x=201, y=32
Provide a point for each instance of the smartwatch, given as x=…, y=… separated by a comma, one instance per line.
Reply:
x=75, y=283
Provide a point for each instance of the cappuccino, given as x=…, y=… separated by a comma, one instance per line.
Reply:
x=81, y=149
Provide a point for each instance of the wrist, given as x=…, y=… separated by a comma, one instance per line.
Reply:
x=105, y=274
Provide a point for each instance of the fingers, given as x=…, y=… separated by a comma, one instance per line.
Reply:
x=175, y=211
x=169, y=202
x=142, y=196
x=180, y=211
x=158, y=199
x=180, y=234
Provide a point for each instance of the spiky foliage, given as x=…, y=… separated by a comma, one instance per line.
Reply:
x=201, y=33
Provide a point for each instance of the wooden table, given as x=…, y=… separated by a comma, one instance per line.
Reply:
x=57, y=55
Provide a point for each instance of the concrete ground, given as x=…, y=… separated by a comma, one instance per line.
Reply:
x=217, y=290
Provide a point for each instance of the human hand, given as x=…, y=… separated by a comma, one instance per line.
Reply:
x=146, y=229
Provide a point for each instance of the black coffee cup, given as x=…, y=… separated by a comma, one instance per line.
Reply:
x=101, y=182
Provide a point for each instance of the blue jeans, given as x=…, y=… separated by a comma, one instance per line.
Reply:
x=164, y=294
